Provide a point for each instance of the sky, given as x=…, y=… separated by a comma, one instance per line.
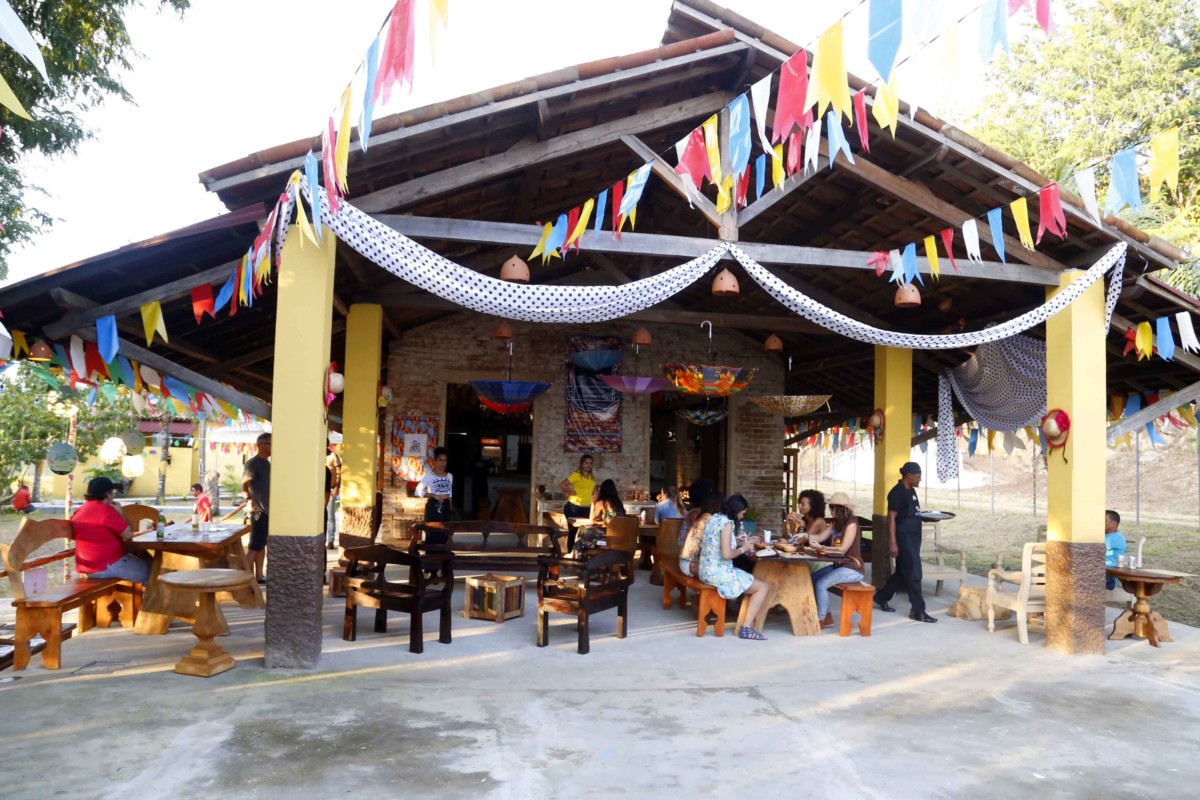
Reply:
x=232, y=77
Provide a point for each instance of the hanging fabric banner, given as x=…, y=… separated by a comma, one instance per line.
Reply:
x=996, y=224
x=1123, y=187
x=712, y=147
x=760, y=98
x=993, y=29
x=1166, y=342
x=860, y=119
x=396, y=60
x=1187, y=334
x=693, y=162
x=739, y=134
x=886, y=109
x=970, y=230
x=106, y=337
x=1020, y=213
x=837, y=139
x=760, y=175
x=368, y=104
x=152, y=321
x=948, y=243
x=931, y=255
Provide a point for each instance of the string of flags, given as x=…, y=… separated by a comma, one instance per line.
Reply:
x=1146, y=339
x=14, y=34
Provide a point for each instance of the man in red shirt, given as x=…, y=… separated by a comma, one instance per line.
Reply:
x=203, y=508
x=22, y=502
x=100, y=531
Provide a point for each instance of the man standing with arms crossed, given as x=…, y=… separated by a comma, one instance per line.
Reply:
x=256, y=488
x=904, y=544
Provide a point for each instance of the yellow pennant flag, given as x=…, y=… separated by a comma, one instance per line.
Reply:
x=1188, y=414
x=1116, y=405
x=1144, y=340
x=152, y=321
x=1020, y=212
x=1032, y=434
x=712, y=145
x=341, y=153
x=725, y=195
x=1164, y=162
x=229, y=410
x=9, y=100
x=306, y=230
x=439, y=18
x=950, y=60
x=991, y=441
x=241, y=288
x=886, y=109
x=777, y=173
x=932, y=255
x=829, y=86
x=584, y=216
x=19, y=344
x=541, y=245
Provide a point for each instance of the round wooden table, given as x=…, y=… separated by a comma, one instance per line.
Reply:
x=1140, y=621
x=207, y=658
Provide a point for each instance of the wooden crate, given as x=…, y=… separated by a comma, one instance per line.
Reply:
x=337, y=582
x=494, y=597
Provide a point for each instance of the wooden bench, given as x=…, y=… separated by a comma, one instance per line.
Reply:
x=856, y=597
x=100, y=602
x=667, y=555
x=488, y=545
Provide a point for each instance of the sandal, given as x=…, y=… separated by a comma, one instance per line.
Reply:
x=747, y=632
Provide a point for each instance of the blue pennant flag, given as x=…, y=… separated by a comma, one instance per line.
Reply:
x=91, y=398
x=973, y=442
x=177, y=388
x=106, y=337
x=601, y=207
x=885, y=31
x=368, y=106
x=558, y=236
x=225, y=293
x=633, y=194
x=126, y=371
x=739, y=134
x=1164, y=340
x=760, y=175
x=909, y=259
x=993, y=28
x=313, y=179
x=248, y=280
x=996, y=224
x=60, y=358
x=1123, y=188
x=837, y=139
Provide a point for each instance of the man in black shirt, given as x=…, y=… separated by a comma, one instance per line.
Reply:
x=256, y=488
x=904, y=544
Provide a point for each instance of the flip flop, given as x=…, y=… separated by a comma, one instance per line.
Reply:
x=749, y=633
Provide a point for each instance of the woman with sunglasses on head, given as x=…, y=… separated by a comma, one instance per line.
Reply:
x=844, y=542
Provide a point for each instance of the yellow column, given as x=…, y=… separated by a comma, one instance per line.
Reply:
x=360, y=410
x=893, y=394
x=1075, y=383
x=295, y=550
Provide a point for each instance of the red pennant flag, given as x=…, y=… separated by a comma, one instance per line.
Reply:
x=238, y=277
x=1130, y=341
x=743, y=188
x=948, y=243
x=878, y=260
x=694, y=161
x=93, y=361
x=860, y=118
x=790, y=108
x=202, y=301
x=618, y=194
x=328, y=147
x=1050, y=212
x=795, y=143
x=572, y=221
x=396, y=59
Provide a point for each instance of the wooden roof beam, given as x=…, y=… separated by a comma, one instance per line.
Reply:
x=674, y=180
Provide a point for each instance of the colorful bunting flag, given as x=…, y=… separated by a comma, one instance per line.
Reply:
x=152, y=321
x=1187, y=334
x=743, y=189
x=225, y=293
x=829, y=86
x=1165, y=341
x=878, y=260
x=812, y=148
x=633, y=194
x=78, y=359
x=1085, y=184
x=760, y=175
x=693, y=161
x=777, y=176
x=368, y=104
x=739, y=134
x=897, y=264
x=1123, y=187
x=860, y=119
x=1164, y=162
x=791, y=106
x=948, y=243
x=396, y=60
x=439, y=19
x=970, y=230
x=1020, y=213
x=909, y=258
x=931, y=254
x=342, y=149
x=837, y=140
x=760, y=98
x=601, y=204
x=886, y=109
x=1050, y=212
x=9, y=100
x=311, y=178
x=794, y=152
x=885, y=31
x=1144, y=339
x=328, y=156
x=106, y=337
x=997, y=228
x=993, y=29
x=581, y=224
x=712, y=146
x=618, y=192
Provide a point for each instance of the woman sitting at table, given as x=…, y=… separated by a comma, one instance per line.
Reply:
x=843, y=542
x=721, y=545
x=670, y=505
x=812, y=516
x=606, y=504
x=100, y=532
x=689, y=551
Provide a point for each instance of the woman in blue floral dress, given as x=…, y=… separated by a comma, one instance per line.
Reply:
x=716, y=562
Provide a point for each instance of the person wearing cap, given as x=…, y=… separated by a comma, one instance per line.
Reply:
x=844, y=543
x=904, y=544
x=100, y=531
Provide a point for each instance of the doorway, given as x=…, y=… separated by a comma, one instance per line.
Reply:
x=488, y=450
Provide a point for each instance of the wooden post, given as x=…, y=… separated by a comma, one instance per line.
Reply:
x=360, y=407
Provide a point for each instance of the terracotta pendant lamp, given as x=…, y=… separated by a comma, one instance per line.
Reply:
x=503, y=331
x=907, y=296
x=515, y=270
x=40, y=351
x=725, y=284
x=773, y=344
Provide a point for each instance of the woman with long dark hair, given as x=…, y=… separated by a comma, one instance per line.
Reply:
x=438, y=486
x=689, y=552
x=720, y=547
x=844, y=541
x=607, y=504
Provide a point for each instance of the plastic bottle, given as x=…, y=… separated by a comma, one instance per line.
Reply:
x=161, y=528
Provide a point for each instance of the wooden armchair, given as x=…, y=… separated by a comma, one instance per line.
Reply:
x=939, y=570
x=135, y=513
x=622, y=534
x=428, y=588
x=1030, y=597
x=583, y=587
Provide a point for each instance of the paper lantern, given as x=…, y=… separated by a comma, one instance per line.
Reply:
x=643, y=338
x=133, y=466
x=40, y=352
x=907, y=296
x=502, y=331
x=773, y=344
x=515, y=270
x=134, y=441
x=61, y=458
x=113, y=450
x=725, y=284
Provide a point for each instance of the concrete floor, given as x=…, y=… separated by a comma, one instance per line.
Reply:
x=915, y=711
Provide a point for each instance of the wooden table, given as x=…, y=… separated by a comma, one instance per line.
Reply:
x=511, y=506
x=791, y=585
x=1140, y=621
x=206, y=658
x=185, y=549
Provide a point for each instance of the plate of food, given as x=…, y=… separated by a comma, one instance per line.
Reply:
x=767, y=552
x=783, y=547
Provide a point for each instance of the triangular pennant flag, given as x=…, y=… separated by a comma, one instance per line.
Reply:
x=1144, y=338
x=581, y=225
x=777, y=174
x=202, y=301
x=743, y=189
x=396, y=60
x=1085, y=184
x=970, y=230
x=20, y=345
x=795, y=151
x=837, y=139
x=829, y=87
x=1130, y=340
x=558, y=236
x=996, y=224
x=760, y=98
x=9, y=100
x=1020, y=213
x=739, y=134
x=1165, y=341
x=860, y=119
x=106, y=337
x=1050, y=212
x=886, y=109
x=885, y=31
x=572, y=224
x=342, y=152
x=948, y=243
x=973, y=442
x=812, y=148
x=931, y=254
x=878, y=260
x=1187, y=333
x=78, y=363
x=897, y=264
x=993, y=29
x=909, y=257
x=725, y=194
x=540, y=249
x=152, y=321
x=633, y=194
x=601, y=204
x=226, y=292
x=618, y=193
x=712, y=146
x=333, y=191
x=1164, y=162
x=760, y=174
x=311, y=178
x=693, y=162
x=6, y=343
x=368, y=104
x=791, y=106
x=1123, y=187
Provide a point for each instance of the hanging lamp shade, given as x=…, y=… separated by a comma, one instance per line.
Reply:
x=725, y=284
x=596, y=360
x=643, y=338
x=40, y=352
x=502, y=331
x=907, y=296
x=773, y=344
x=515, y=270
x=135, y=441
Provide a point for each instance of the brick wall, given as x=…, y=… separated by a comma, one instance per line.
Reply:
x=460, y=347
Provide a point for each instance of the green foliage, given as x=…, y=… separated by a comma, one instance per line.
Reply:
x=86, y=48
x=1117, y=73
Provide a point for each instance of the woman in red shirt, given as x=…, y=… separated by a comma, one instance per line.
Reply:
x=100, y=532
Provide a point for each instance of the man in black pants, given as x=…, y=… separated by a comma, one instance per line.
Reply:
x=904, y=534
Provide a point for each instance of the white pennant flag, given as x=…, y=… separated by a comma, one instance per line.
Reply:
x=1187, y=334
x=78, y=363
x=970, y=231
x=897, y=265
x=812, y=147
x=1085, y=182
x=760, y=98
x=1010, y=442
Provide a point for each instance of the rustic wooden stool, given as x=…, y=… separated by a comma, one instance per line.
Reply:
x=856, y=597
x=494, y=597
x=207, y=658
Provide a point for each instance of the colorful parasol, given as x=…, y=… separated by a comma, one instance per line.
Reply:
x=631, y=384
x=707, y=379
x=596, y=360
x=796, y=405
x=505, y=408
x=509, y=393
x=703, y=416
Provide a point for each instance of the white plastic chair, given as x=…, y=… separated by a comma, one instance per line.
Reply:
x=1030, y=596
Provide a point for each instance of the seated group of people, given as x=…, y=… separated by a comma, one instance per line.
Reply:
x=714, y=549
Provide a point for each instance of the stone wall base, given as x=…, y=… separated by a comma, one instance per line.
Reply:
x=295, y=568
x=881, y=561
x=1075, y=597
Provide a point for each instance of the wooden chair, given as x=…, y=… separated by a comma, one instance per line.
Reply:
x=1030, y=597
x=135, y=513
x=939, y=570
x=584, y=587
x=99, y=601
x=622, y=534
x=428, y=587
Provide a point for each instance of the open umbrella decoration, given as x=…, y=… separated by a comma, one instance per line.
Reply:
x=719, y=381
x=796, y=405
x=703, y=416
x=511, y=396
x=635, y=384
x=596, y=360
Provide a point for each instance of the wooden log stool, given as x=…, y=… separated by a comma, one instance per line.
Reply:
x=856, y=597
x=207, y=658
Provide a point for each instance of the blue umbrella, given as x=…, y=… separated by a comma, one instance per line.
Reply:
x=596, y=360
x=510, y=392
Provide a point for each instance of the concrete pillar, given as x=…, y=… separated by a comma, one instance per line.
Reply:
x=893, y=394
x=360, y=411
x=296, y=549
x=1075, y=382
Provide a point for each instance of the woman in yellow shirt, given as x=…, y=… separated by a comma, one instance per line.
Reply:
x=579, y=486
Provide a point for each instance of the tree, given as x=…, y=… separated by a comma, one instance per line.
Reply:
x=1116, y=73
x=86, y=48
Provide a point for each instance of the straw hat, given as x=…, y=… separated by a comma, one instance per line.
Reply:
x=840, y=499
x=1056, y=426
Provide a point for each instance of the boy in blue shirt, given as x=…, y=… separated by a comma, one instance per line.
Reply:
x=1114, y=543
